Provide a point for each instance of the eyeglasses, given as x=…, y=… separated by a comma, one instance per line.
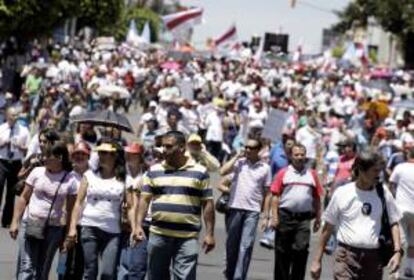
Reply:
x=252, y=147
x=167, y=146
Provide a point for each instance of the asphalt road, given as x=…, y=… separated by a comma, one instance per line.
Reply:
x=210, y=266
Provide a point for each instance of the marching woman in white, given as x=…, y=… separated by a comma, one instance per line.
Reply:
x=98, y=206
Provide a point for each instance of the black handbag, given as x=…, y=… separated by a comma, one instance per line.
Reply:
x=222, y=203
x=36, y=229
x=385, y=238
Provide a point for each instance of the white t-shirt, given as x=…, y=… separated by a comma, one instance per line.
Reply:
x=357, y=215
x=257, y=119
x=17, y=135
x=102, y=207
x=214, y=127
x=190, y=119
x=132, y=182
x=169, y=93
x=310, y=139
x=403, y=177
x=230, y=88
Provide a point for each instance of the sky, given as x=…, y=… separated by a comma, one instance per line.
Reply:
x=304, y=23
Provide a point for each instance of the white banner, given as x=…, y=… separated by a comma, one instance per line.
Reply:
x=274, y=124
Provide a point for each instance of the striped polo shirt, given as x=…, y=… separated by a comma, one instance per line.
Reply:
x=177, y=196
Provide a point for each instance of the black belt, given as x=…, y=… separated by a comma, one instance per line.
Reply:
x=298, y=215
x=356, y=249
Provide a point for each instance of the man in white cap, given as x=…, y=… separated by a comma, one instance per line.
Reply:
x=198, y=152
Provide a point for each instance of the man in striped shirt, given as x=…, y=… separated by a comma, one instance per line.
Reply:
x=180, y=192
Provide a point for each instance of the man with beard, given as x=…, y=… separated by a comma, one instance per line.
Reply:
x=296, y=201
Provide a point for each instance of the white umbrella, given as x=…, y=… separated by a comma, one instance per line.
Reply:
x=111, y=90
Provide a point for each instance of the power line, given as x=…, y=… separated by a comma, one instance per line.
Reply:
x=315, y=7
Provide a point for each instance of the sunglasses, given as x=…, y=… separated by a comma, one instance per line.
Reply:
x=252, y=147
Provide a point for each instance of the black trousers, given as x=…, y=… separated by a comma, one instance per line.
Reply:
x=291, y=248
x=74, y=261
x=8, y=175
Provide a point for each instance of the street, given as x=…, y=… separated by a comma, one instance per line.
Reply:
x=210, y=266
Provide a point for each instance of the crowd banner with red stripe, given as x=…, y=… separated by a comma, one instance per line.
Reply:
x=185, y=19
x=229, y=35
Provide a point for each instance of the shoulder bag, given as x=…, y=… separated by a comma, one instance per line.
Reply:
x=36, y=229
x=385, y=238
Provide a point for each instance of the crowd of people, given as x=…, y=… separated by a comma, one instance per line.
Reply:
x=125, y=207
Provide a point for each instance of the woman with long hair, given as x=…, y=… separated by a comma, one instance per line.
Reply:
x=47, y=189
x=98, y=206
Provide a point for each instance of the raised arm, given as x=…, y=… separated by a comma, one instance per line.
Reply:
x=228, y=166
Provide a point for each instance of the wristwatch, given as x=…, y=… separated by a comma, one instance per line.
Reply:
x=401, y=251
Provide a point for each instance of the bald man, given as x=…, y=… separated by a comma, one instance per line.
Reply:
x=14, y=139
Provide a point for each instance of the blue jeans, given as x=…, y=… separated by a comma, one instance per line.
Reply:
x=35, y=256
x=34, y=104
x=133, y=260
x=96, y=242
x=180, y=254
x=241, y=233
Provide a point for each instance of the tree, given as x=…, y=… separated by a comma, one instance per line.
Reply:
x=396, y=17
x=28, y=19
x=102, y=15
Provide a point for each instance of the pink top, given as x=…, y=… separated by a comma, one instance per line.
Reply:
x=344, y=172
x=249, y=185
x=44, y=186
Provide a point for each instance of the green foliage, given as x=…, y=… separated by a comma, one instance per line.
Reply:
x=101, y=15
x=27, y=19
x=338, y=52
x=394, y=16
x=373, y=56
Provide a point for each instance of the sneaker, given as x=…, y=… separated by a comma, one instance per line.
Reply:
x=268, y=244
x=329, y=250
x=268, y=239
x=408, y=272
